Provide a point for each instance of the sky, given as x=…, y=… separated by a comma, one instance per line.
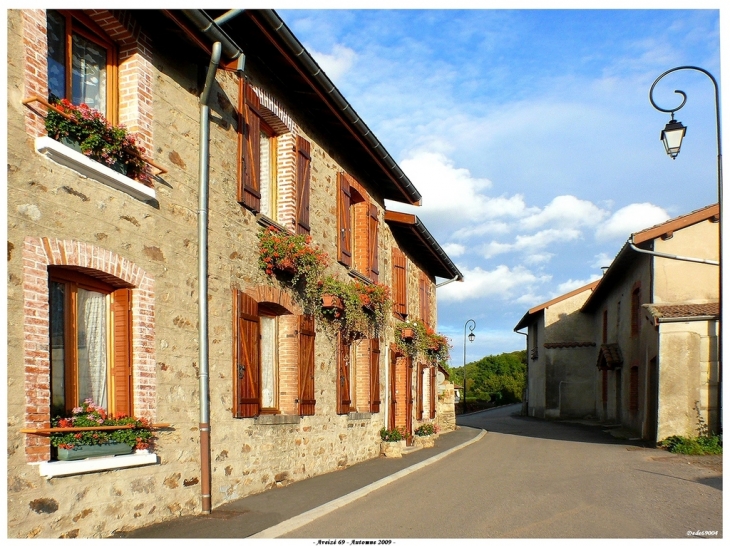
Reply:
x=530, y=135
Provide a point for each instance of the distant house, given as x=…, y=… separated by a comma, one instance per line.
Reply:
x=647, y=332
x=559, y=343
x=655, y=320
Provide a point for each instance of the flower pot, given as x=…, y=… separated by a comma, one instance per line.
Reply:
x=392, y=449
x=73, y=144
x=407, y=334
x=425, y=441
x=86, y=452
x=330, y=301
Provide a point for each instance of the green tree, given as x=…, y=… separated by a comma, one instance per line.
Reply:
x=497, y=378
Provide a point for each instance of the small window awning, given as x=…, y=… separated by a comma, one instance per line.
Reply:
x=609, y=357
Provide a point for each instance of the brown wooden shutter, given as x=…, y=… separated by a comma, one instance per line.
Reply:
x=343, y=376
x=432, y=397
x=419, y=392
x=393, y=386
x=374, y=375
x=122, y=363
x=423, y=297
x=304, y=162
x=249, y=127
x=246, y=362
x=344, y=239
x=399, y=283
x=306, y=365
x=373, y=243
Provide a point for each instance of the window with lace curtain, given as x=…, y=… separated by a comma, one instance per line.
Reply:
x=89, y=345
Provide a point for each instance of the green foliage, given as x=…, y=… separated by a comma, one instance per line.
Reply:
x=391, y=435
x=497, y=378
x=91, y=415
x=364, y=307
x=701, y=445
x=425, y=341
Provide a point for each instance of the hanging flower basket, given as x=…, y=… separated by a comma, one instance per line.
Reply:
x=333, y=303
x=407, y=334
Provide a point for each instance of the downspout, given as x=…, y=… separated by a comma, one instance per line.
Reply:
x=205, y=468
x=449, y=281
x=670, y=256
x=386, y=413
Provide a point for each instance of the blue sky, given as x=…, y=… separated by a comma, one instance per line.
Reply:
x=530, y=136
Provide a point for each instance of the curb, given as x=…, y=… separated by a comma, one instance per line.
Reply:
x=309, y=516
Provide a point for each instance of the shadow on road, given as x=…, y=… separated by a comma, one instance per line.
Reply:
x=507, y=420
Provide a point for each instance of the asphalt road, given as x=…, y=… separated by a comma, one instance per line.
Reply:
x=529, y=478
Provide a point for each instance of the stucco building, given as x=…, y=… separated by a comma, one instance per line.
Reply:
x=652, y=323
x=244, y=132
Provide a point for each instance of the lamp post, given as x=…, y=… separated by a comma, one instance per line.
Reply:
x=672, y=138
x=471, y=325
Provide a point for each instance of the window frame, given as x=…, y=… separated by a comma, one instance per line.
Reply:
x=76, y=22
x=118, y=340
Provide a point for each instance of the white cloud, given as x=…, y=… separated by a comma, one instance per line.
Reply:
x=335, y=64
x=538, y=258
x=602, y=260
x=454, y=249
x=487, y=228
x=541, y=239
x=501, y=282
x=570, y=285
x=565, y=211
x=630, y=219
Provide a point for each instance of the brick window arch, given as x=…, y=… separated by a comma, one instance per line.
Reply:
x=43, y=256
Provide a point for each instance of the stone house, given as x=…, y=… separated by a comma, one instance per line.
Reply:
x=105, y=274
x=559, y=343
x=651, y=323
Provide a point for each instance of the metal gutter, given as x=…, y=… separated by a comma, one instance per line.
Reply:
x=669, y=256
x=343, y=107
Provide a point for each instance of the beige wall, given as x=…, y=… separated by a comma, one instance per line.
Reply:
x=681, y=281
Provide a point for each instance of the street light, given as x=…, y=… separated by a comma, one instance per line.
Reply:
x=672, y=137
x=471, y=339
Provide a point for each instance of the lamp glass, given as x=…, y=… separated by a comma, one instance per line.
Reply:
x=672, y=136
x=471, y=336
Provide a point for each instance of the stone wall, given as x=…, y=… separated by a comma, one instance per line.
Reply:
x=47, y=201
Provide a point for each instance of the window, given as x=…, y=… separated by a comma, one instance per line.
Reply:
x=357, y=226
x=81, y=62
x=90, y=343
x=273, y=367
x=400, y=307
x=374, y=376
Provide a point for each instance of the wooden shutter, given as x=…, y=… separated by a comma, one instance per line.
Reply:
x=246, y=356
x=343, y=376
x=419, y=392
x=121, y=402
x=423, y=297
x=399, y=283
x=306, y=365
x=344, y=239
x=373, y=243
x=393, y=386
x=304, y=162
x=374, y=375
x=432, y=397
x=249, y=127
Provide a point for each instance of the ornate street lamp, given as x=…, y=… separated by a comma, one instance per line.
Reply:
x=672, y=137
x=471, y=325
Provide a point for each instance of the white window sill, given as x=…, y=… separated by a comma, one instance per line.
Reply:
x=54, y=469
x=63, y=155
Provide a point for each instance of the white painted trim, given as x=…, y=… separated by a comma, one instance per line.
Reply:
x=63, y=155
x=53, y=469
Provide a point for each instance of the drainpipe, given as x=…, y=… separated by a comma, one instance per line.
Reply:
x=670, y=256
x=205, y=469
x=449, y=281
x=386, y=413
